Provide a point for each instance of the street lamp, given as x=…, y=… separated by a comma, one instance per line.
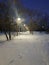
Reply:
x=19, y=19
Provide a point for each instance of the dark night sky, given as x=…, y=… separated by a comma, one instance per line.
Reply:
x=42, y=5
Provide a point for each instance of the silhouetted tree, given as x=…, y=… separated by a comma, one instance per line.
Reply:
x=5, y=20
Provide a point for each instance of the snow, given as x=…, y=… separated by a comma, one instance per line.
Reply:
x=25, y=49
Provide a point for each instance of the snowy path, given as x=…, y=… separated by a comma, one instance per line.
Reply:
x=25, y=50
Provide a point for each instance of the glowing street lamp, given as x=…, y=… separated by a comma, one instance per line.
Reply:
x=19, y=19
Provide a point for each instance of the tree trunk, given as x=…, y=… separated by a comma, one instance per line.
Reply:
x=9, y=35
x=6, y=35
x=9, y=32
x=17, y=29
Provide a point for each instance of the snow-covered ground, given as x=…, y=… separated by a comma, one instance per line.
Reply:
x=25, y=49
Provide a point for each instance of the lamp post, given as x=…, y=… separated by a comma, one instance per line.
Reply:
x=18, y=23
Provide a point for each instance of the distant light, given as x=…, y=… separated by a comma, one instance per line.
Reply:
x=24, y=25
x=42, y=26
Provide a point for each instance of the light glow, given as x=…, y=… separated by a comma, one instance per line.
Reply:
x=19, y=19
x=24, y=25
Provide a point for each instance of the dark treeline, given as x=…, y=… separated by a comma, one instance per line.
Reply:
x=40, y=24
x=6, y=23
